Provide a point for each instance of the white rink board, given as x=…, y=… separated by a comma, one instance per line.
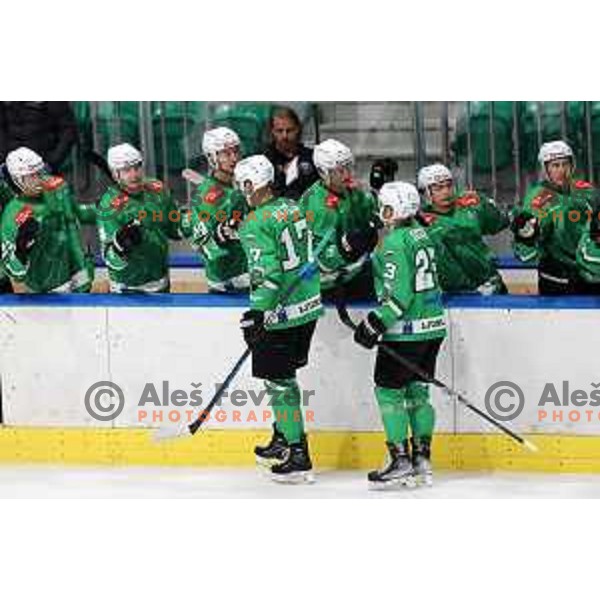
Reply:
x=50, y=355
x=48, y=359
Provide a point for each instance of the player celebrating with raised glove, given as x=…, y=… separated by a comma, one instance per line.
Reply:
x=456, y=223
x=216, y=213
x=552, y=220
x=338, y=202
x=136, y=219
x=284, y=309
x=41, y=229
x=409, y=320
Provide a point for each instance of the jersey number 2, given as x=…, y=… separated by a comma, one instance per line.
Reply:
x=425, y=270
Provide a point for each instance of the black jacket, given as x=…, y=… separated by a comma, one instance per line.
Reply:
x=307, y=173
x=47, y=128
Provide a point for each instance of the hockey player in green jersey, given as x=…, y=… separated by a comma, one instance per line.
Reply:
x=280, y=324
x=41, y=233
x=6, y=194
x=410, y=320
x=136, y=220
x=549, y=225
x=337, y=201
x=215, y=214
x=588, y=252
x=456, y=223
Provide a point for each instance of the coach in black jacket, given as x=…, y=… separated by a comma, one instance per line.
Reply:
x=48, y=128
x=295, y=171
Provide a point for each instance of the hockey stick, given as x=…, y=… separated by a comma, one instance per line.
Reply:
x=189, y=429
x=96, y=159
x=346, y=319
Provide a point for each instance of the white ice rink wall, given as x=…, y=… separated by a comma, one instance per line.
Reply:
x=52, y=349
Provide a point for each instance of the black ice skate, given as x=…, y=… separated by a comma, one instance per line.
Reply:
x=276, y=451
x=297, y=468
x=397, y=473
x=421, y=459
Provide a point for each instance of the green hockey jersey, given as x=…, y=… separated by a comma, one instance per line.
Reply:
x=406, y=283
x=325, y=210
x=145, y=268
x=278, y=243
x=57, y=262
x=563, y=217
x=464, y=261
x=225, y=264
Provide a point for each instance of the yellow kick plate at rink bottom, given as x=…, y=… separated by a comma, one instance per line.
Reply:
x=330, y=449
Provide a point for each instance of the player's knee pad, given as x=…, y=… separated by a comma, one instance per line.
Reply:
x=417, y=394
x=391, y=398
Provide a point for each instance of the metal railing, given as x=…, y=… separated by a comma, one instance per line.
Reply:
x=490, y=145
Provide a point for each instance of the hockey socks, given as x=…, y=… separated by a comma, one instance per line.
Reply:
x=404, y=407
x=421, y=413
x=392, y=406
x=284, y=396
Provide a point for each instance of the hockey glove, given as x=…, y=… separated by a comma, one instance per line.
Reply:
x=595, y=228
x=253, y=326
x=26, y=239
x=368, y=331
x=129, y=236
x=525, y=228
x=354, y=244
x=227, y=232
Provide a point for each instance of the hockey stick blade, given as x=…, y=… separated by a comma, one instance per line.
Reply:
x=346, y=319
x=189, y=429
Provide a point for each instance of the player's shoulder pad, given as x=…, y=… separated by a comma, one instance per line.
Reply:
x=154, y=185
x=24, y=214
x=119, y=201
x=426, y=218
x=332, y=201
x=542, y=198
x=580, y=184
x=213, y=194
x=468, y=200
x=53, y=183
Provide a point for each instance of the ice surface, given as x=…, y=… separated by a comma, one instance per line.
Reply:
x=140, y=482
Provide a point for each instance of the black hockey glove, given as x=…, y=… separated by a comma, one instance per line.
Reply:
x=129, y=236
x=525, y=228
x=253, y=326
x=595, y=228
x=368, y=331
x=26, y=239
x=227, y=231
x=382, y=171
x=354, y=244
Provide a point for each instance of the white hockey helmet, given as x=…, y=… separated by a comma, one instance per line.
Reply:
x=253, y=173
x=553, y=151
x=122, y=157
x=21, y=165
x=216, y=140
x=431, y=174
x=331, y=154
x=398, y=200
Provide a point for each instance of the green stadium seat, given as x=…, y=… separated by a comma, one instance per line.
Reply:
x=479, y=125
